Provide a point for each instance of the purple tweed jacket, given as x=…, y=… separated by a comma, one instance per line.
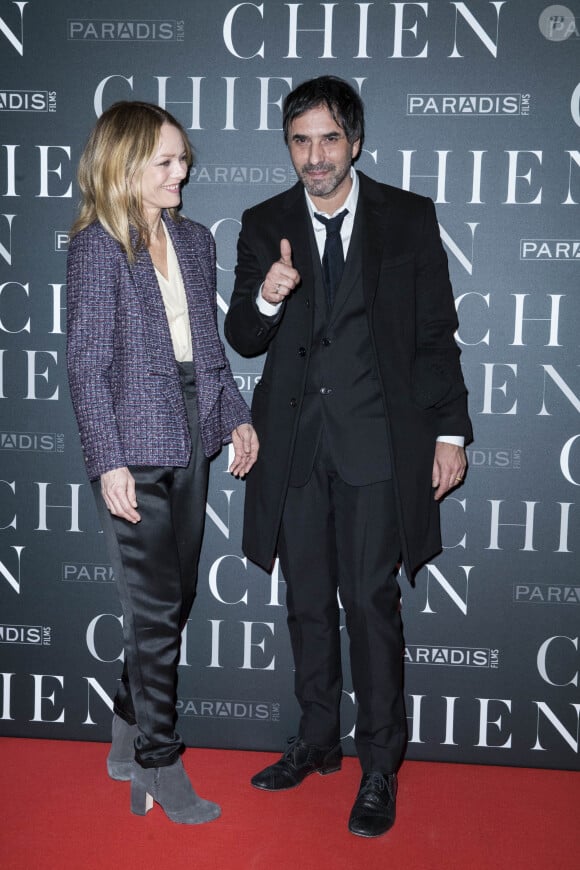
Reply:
x=123, y=377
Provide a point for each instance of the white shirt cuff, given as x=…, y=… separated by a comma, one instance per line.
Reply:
x=265, y=307
x=458, y=440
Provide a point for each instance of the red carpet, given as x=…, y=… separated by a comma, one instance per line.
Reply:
x=60, y=810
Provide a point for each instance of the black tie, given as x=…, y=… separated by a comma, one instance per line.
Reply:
x=333, y=257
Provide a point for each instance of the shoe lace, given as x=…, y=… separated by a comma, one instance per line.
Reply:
x=377, y=780
x=292, y=745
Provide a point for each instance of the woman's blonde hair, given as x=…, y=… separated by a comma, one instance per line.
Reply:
x=124, y=140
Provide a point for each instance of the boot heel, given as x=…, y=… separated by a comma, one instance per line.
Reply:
x=170, y=787
x=330, y=768
x=141, y=800
x=332, y=763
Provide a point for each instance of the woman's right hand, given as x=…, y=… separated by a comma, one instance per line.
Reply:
x=118, y=490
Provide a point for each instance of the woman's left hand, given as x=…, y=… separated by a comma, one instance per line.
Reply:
x=246, y=446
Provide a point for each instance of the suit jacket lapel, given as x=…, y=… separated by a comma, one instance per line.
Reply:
x=377, y=226
x=196, y=275
x=295, y=226
x=194, y=272
x=374, y=223
x=196, y=265
x=156, y=327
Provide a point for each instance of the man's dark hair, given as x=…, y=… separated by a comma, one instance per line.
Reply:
x=341, y=100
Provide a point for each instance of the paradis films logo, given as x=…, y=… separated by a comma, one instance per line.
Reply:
x=28, y=635
x=237, y=174
x=27, y=101
x=124, y=30
x=543, y=593
x=35, y=442
x=468, y=105
x=458, y=657
x=212, y=708
x=550, y=249
x=86, y=572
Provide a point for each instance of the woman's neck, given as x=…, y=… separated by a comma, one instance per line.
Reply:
x=155, y=228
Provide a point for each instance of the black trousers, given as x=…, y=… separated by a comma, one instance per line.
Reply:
x=155, y=564
x=340, y=537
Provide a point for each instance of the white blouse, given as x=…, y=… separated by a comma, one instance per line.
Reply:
x=175, y=302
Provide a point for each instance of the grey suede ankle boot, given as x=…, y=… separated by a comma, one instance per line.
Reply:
x=171, y=789
x=121, y=758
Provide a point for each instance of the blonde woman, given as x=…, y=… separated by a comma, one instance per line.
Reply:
x=154, y=398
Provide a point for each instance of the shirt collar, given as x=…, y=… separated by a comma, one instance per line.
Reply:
x=350, y=203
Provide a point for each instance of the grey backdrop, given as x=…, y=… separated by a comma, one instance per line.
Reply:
x=476, y=104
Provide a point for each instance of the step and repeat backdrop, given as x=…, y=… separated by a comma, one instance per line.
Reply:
x=475, y=104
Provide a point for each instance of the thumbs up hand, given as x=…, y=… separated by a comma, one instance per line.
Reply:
x=285, y=252
x=282, y=277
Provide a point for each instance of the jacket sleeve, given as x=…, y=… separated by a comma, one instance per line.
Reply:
x=248, y=330
x=91, y=305
x=437, y=376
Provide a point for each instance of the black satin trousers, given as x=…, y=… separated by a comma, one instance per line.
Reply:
x=155, y=565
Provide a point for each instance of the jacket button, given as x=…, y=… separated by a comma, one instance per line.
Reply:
x=325, y=391
x=326, y=341
x=293, y=403
x=301, y=351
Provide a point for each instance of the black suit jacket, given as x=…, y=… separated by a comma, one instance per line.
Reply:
x=411, y=315
x=343, y=393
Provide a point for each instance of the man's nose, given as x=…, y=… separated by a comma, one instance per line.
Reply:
x=316, y=153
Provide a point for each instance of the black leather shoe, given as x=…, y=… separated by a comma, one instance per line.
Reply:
x=298, y=762
x=373, y=812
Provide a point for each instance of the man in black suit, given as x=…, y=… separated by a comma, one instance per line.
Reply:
x=361, y=414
